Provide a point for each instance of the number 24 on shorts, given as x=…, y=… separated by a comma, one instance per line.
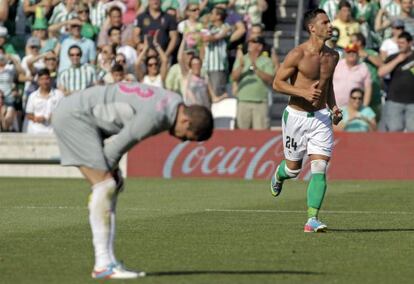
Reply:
x=290, y=143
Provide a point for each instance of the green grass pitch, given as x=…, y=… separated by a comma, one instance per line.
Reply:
x=211, y=231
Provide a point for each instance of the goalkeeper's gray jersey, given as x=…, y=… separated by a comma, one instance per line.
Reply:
x=132, y=111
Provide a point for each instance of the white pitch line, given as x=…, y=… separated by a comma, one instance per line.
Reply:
x=273, y=211
x=301, y=212
x=73, y=208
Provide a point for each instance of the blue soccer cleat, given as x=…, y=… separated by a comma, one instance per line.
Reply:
x=116, y=271
x=275, y=184
x=315, y=226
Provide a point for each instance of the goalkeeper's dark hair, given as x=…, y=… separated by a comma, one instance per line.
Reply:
x=201, y=121
x=309, y=16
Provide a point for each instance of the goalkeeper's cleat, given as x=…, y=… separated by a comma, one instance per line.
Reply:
x=315, y=226
x=275, y=184
x=116, y=271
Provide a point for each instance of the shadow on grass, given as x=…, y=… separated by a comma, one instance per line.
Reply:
x=232, y=272
x=371, y=230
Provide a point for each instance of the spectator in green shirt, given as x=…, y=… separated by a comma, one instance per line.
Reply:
x=253, y=73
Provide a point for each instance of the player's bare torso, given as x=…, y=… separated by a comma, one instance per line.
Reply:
x=310, y=68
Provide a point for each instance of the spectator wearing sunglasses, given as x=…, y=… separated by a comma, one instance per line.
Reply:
x=156, y=66
x=190, y=28
x=88, y=30
x=78, y=76
x=75, y=38
x=355, y=116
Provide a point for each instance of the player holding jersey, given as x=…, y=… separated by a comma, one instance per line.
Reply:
x=306, y=76
x=127, y=113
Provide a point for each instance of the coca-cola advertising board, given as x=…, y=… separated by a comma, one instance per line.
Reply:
x=255, y=155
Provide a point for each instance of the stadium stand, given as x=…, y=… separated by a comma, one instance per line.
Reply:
x=129, y=29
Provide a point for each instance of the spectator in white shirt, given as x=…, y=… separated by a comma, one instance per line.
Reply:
x=41, y=104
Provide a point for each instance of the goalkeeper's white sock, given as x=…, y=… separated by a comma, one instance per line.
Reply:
x=100, y=220
x=111, y=241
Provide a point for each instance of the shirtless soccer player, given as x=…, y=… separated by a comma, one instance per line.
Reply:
x=127, y=113
x=306, y=76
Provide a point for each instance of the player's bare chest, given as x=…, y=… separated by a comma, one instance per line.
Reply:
x=317, y=67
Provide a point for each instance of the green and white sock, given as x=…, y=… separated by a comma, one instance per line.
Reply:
x=316, y=193
x=283, y=172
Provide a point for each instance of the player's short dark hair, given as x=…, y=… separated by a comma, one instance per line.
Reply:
x=43, y=72
x=309, y=16
x=361, y=38
x=202, y=122
x=359, y=90
x=406, y=35
x=344, y=3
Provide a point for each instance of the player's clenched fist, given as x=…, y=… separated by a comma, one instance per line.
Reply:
x=336, y=115
x=313, y=94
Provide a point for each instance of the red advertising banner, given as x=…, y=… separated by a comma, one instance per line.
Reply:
x=255, y=155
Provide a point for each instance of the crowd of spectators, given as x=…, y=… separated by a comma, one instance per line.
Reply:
x=374, y=78
x=205, y=50
x=50, y=49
